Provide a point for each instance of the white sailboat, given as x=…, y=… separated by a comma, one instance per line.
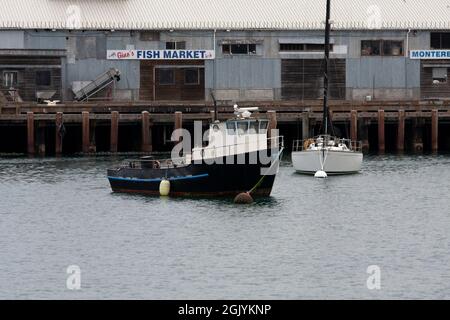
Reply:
x=325, y=154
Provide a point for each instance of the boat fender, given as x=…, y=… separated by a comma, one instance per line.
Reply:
x=164, y=188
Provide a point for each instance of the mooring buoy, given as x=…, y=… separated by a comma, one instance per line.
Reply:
x=164, y=188
x=321, y=174
x=243, y=198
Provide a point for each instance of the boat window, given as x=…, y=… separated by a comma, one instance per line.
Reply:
x=242, y=127
x=263, y=126
x=231, y=127
x=254, y=127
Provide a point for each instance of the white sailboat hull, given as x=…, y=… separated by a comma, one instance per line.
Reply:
x=336, y=162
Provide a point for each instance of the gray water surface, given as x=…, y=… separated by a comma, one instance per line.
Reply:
x=312, y=239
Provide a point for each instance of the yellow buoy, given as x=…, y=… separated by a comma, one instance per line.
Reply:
x=164, y=188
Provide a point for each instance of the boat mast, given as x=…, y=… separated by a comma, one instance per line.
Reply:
x=326, y=62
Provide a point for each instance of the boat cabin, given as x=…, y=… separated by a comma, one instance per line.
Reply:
x=234, y=137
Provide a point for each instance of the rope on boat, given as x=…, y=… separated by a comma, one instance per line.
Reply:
x=269, y=170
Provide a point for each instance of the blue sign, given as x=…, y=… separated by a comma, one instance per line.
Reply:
x=429, y=54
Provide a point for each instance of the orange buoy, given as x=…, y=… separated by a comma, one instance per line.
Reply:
x=243, y=198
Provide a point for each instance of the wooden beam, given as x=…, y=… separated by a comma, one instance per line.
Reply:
x=401, y=131
x=114, y=141
x=58, y=133
x=435, y=130
x=85, y=131
x=381, y=132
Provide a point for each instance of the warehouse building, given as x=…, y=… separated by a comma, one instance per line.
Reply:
x=254, y=50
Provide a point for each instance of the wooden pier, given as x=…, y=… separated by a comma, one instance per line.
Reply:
x=424, y=120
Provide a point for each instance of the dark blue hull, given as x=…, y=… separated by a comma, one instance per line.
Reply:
x=197, y=179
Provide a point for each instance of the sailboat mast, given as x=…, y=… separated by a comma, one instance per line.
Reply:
x=326, y=65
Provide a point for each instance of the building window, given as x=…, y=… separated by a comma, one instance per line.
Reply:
x=176, y=45
x=149, y=36
x=381, y=48
x=303, y=47
x=440, y=40
x=10, y=79
x=439, y=75
x=166, y=76
x=239, y=49
x=393, y=48
x=370, y=48
x=43, y=78
x=191, y=76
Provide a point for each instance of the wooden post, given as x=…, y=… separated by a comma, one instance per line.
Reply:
x=401, y=131
x=363, y=129
x=114, y=141
x=305, y=126
x=417, y=140
x=85, y=131
x=30, y=135
x=435, y=130
x=92, y=139
x=354, y=125
x=272, y=116
x=41, y=138
x=178, y=124
x=381, y=139
x=146, y=137
x=58, y=133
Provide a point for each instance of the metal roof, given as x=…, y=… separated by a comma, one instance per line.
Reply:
x=223, y=14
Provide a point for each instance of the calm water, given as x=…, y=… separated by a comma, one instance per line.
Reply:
x=312, y=239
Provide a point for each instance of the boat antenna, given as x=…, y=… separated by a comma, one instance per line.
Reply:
x=326, y=63
x=216, y=114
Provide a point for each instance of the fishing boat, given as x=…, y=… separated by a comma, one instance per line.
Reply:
x=325, y=154
x=241, y=156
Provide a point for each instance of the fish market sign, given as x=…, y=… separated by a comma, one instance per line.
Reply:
x=160, y=54
x=429, y=54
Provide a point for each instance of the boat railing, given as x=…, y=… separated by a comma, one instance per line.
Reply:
x=303, y=145
x=153, y=163
x=276, y=142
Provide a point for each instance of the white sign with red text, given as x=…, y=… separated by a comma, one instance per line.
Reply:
x=160, y=54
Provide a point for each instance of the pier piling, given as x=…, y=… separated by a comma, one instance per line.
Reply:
x=417, y=139
x=114, y=141
x=272, y=116
x=401, y=131
x=381, y=132
x=41, y=138
x=354, y=125
x=178, y=124
x=364, y=133
x=305, y=126
x=434, y=130
x=85, y=131
x=30, y=133
x=58, y=133
x=146, y=135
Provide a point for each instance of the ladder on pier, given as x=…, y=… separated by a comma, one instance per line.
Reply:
x=101, y=82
